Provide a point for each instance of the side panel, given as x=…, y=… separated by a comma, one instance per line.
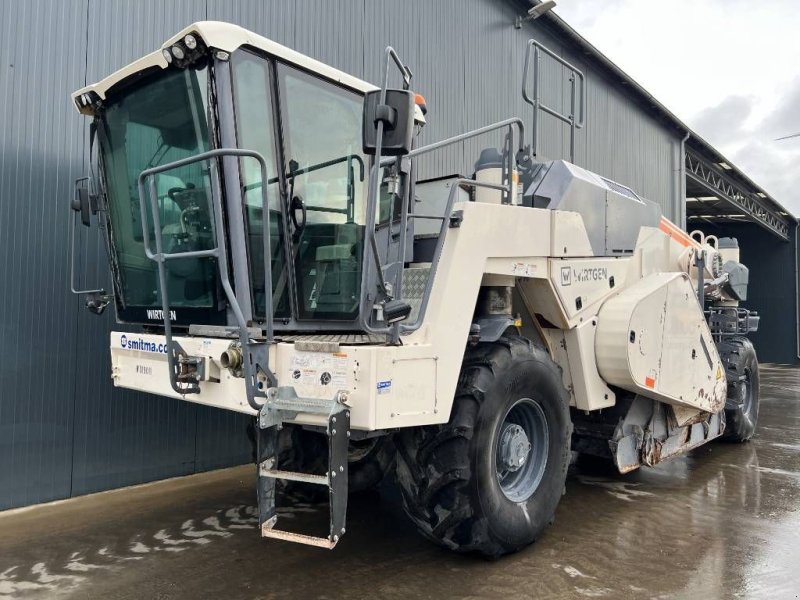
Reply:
x=653, y=340
x=591, y=392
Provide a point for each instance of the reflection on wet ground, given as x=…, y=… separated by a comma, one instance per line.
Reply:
x=722, y=522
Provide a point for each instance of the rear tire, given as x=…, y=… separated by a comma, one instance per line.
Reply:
x=470, y=484
x=741, y=407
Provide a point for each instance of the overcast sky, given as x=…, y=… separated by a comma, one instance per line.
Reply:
x=730, y=69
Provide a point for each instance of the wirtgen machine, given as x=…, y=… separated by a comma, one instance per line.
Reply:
x=268, y=235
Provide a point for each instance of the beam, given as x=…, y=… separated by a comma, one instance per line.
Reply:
x=758, y=210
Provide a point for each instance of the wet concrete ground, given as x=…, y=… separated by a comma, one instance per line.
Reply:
x=722, y=522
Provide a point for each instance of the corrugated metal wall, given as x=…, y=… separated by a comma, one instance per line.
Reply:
x=63, y=429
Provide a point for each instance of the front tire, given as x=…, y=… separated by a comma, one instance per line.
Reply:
x=489, y=481
x=368, y=461
x=741, y=406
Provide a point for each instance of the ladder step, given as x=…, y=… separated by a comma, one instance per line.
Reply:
x=295, y=476
x=299, y=538
x=304, y=405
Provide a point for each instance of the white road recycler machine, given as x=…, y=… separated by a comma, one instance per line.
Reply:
x=466, y=335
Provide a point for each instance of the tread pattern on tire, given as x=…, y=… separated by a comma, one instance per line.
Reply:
x=735, y=353
x=433, y=462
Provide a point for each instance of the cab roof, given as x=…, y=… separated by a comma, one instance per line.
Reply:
x=218, y=36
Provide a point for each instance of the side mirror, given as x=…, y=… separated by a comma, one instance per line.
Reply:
x=397, y=115
x=80, y=203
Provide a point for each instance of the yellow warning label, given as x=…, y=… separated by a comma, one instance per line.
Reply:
x=719, y=373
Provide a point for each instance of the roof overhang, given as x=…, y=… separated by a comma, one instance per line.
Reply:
x=778, y=220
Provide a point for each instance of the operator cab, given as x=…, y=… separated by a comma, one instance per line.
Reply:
x=303, y=117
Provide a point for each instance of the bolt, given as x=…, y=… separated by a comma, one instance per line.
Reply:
x=336, y=538
x=333, y=432
x=348, y=434
x=341, y=469
x=342, y=530
x=333, y=473
x=333, y=419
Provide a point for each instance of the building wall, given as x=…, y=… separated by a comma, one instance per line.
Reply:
x=63, y=429
x=772, y=291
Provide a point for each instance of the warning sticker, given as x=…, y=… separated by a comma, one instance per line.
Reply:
x=318, y=369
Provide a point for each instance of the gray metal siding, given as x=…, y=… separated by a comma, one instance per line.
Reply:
x=64, y=430
x=467, y=60
x=42, y=53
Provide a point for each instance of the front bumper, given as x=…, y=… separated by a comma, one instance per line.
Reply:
x=384, y=388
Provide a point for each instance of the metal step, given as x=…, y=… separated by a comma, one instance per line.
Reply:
x=283, y=404
x=298, y=538
x=295, y=476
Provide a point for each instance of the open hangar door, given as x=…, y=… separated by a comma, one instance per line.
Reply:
x=722, y=201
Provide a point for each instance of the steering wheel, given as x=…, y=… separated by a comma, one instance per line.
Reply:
x=295, y=206
x=172, y=192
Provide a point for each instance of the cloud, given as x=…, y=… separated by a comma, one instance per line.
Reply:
x=723, y=123
x=775, y=166
x=726, y=68
x=751, y=144
x=785, y=119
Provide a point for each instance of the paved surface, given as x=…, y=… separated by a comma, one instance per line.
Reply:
x=723, y=522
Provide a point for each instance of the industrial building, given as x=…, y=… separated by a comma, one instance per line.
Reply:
x=65, y=431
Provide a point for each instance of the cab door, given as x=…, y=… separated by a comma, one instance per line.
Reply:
x=326, y=176
x=256, y=125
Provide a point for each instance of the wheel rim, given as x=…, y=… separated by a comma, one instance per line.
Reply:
x=521, y=450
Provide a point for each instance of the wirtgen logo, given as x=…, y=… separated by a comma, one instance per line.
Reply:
x=154, y=314
x=142, y=345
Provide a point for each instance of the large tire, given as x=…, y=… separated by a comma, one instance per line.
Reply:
x=450, y=475
x=741, y=407
x=368, y=461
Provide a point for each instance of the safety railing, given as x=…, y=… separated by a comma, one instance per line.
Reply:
x=395, y=291
x=535, y=49
x=255, y=353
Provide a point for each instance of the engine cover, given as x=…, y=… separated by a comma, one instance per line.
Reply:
x=652, y=339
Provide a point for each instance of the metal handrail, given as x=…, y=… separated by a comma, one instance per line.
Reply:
x=311, y=168
x=372, y=198
x=509, y=123
x=437, y=253
x=537, y=103
x=219, y=252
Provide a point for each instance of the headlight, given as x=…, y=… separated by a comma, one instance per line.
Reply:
x=190, y=41
x=178, y=52
x=167, y=55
